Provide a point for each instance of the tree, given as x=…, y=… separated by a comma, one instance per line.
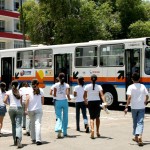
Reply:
x=139, y=29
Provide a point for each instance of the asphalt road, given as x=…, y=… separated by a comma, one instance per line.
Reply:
x=115, y=130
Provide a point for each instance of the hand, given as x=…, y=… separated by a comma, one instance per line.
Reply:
x=26, y=112
x=125, y=111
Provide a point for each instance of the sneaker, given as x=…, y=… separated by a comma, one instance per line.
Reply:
x=33, y=141
x=19, y=145
x=59, y=134
x=0, y=134
x=38, y=143
x=87, y=129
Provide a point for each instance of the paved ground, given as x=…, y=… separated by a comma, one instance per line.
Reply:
x=116, y=133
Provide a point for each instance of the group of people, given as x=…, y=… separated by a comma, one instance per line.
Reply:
x=24, y=101
x=86, y=96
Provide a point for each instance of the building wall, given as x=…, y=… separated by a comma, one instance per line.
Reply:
x=10, y=36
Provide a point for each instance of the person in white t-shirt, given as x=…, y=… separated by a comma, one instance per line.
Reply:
x=15, y=112
x=24, y=88
x=61, y=93
x=92, y=94
x=78, y=94
x=137, y=95
x=34, y=102
x=2, y=104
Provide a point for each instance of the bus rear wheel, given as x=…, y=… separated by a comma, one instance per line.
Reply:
x=111, y=97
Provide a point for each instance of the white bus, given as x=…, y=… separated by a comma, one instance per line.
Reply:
x=110, y=60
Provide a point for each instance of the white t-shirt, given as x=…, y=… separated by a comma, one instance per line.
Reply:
x=93, y=95
x=80, y=91
x=35, y=101
x=2, y=95
x=24, y=91
x=61, y=90
x=138, y=94
x=14, y=102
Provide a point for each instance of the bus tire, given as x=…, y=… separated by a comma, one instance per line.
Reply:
x=110, y=96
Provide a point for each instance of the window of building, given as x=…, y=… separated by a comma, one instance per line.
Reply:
x=2, y=4
x=18, y=44
x=2, y=45
x=2, y=25
x=16, y=4
x=25, y=59
x=86, y=56
x=147, y=61
x=43, y=58
x=112, y=55
x=16, y=25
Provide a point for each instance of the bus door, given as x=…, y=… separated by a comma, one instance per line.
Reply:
x=63, y=63
x=7, y=70
x=132, y=64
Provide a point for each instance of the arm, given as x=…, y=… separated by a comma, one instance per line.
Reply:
x=85, y=97
x=51, y=92
x=5, y=99
x=74, y=94
x=146, y=100
x=102, y=96
x=42, y=100
x=55, y=90
x=127, y=104
x=68, y=93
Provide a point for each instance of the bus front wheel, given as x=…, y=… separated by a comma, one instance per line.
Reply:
x=111, y=97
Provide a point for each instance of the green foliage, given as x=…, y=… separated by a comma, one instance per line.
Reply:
x=139, y=29
x=70, y=21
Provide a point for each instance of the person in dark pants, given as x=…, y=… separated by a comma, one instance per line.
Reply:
x=78, y=94
x=92, y=94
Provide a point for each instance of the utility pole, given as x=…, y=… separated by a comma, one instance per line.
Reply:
x=22, y=24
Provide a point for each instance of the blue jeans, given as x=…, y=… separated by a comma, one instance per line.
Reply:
x=138, y=121
x=80, y=105
x=61, y=108
x=15, y=114
x=35, y=120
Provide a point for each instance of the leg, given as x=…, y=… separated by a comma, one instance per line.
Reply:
x=97, y=126
x=92, y=128
x=32, y=124
x=134, y=117
x=58, y=108
x=27, y=125
x=12, y=115
x=23, y=116
x=83, y=109
x=77, y=116
x=1, y=122
x=18, y=123
x=38, y=118
x=65, y=117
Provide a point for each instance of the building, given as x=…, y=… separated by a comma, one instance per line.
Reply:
x=10, y=36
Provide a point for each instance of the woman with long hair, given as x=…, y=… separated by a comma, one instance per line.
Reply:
x=2, y=104
x=15, y=112
x=92, y=94
x=78, y=94
x=34, y=102
x=61, y=90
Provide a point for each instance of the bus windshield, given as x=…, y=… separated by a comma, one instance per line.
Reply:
x=147, y=60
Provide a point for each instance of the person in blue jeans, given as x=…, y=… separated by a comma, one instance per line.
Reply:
x=15, y=112
x=137, y=95
x=61, y=90
x=78, y=94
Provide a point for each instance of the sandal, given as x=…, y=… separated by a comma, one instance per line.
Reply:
x=135, y=139
x=92, y=134
x=98, y=135
x=140, y=143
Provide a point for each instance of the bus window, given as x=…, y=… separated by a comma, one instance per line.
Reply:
x=43, y=59
x=86, y=56
x=112, y=55
x=25, y=59
x=147, y=61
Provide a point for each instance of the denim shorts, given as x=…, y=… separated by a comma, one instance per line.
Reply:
x=3, y=110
